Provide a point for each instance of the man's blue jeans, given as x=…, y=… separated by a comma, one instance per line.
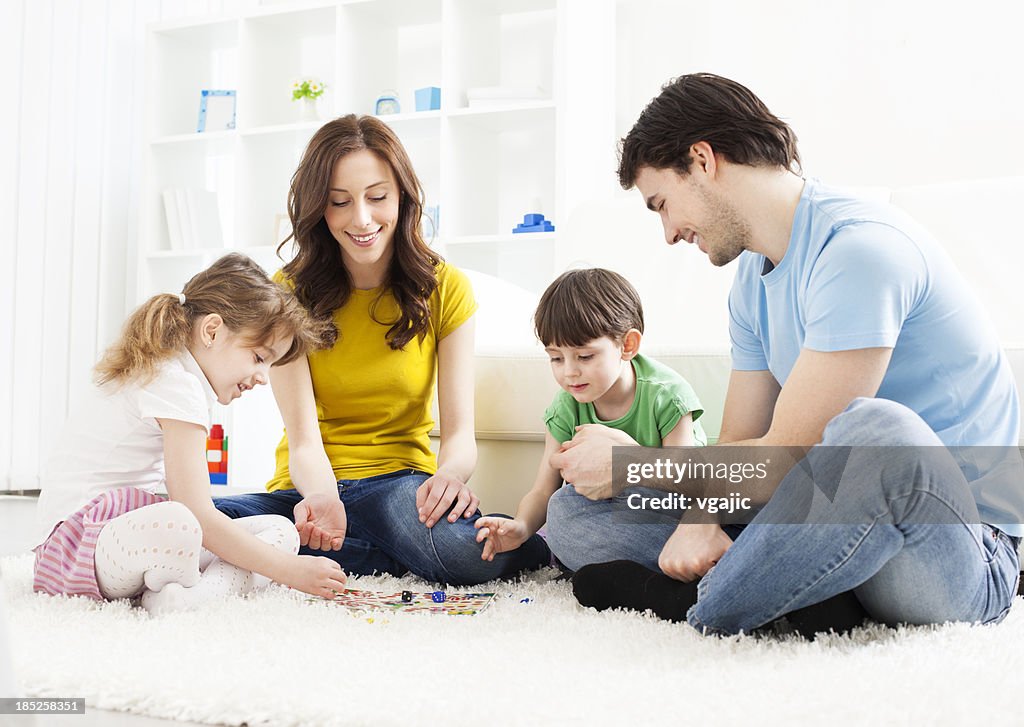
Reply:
x=903, y=567
x=581, y=531
x=385, y=535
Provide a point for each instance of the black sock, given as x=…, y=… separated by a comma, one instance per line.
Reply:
x=625, y=584
x=841, y=614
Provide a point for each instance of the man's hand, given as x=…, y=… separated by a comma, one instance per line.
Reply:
x=692, y=550
x=585, y=461
x=436, y=495
x=321, y=521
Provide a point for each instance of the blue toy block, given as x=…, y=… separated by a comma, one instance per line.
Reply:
x=534, y=222
x=218, y=478
x=543, y=227
x=428, y=99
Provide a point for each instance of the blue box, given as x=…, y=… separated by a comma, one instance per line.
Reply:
x=428, y=99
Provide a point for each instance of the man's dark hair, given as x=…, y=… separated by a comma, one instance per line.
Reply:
x=581, y=306
x=705, y=107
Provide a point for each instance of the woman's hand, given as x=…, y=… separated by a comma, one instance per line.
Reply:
x=321, y=521
x=315, y=575
x=438, y=493
x=500, y=535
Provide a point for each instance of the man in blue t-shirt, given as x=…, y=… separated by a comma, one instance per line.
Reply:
x=851, y=329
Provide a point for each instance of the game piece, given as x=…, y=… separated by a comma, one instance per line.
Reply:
x=406, y=596
x=438, y=597
x=526, y=600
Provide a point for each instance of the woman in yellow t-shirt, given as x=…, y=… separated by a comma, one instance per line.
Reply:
x=354, y=469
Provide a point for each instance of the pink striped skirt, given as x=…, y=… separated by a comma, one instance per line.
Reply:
x=66, y=562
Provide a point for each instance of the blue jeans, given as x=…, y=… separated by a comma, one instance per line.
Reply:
x=582, y=531
x=903, y=566
x=385, y=535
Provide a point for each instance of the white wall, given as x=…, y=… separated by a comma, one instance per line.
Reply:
x=879, y=92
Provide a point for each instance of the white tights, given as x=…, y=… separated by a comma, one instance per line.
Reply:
x=157, y=551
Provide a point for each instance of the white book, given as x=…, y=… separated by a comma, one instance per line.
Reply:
x=204, y=217
x=188, y=241
x=173, y=220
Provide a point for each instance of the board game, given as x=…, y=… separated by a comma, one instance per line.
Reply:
x=455, y=604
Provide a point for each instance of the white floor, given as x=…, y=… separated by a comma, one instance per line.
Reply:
x=16, y=518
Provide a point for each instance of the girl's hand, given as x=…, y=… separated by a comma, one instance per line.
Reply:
x=436, y=495
x=315, y=575
x=500, y=535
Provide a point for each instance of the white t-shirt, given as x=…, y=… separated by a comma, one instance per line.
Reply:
x=113, y=439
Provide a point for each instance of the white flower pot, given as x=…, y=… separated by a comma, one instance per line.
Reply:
x=309, y=109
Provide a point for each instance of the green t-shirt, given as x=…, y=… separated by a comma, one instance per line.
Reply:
x=662, y=398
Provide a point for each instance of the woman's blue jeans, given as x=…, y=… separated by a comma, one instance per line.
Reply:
x=385, y=535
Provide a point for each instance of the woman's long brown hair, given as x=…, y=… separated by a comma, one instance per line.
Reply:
x=321, y=281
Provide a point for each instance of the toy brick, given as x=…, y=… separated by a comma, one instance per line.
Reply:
x=543, y=227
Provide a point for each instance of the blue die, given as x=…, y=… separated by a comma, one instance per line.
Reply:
x=437, y=597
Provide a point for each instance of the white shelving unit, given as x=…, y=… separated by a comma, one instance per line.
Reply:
x=484, y=166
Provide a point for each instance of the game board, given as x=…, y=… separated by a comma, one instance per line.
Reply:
x=456, y=604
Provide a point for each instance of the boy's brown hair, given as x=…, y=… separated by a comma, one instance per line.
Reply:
x=583, y=305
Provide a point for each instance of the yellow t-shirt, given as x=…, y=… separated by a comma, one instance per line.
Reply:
x=373, y=403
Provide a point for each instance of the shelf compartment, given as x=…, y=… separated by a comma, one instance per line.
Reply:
x=183, y=60
x=278, y=50
x=266, y=165
x=517, y=261
x=501, y=167
x=396, y=46
x=500, y=44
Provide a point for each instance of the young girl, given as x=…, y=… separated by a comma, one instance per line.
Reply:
x=356, y=467
x=105, y=532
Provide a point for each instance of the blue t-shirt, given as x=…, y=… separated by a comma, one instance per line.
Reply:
x=861, y=274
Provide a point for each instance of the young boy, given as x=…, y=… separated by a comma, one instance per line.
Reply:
x=591, y=323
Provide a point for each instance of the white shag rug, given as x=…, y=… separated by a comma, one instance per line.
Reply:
x=275, y=659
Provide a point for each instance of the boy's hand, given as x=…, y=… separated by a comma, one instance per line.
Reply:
x=692, y=550
x=438, y=493
x=500, y=535
x=315, y=575
x=321, y=521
